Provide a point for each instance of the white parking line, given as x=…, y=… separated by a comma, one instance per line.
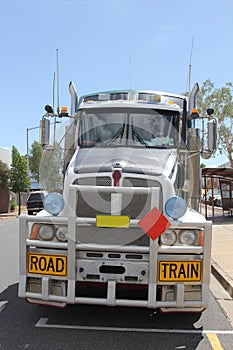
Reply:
x=42, y=323
x=2, y=305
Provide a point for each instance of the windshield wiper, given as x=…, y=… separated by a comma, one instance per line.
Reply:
x=138, y=137
x=160, y=146
x=119, y=134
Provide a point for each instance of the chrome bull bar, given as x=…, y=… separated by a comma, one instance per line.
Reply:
x=71, y=248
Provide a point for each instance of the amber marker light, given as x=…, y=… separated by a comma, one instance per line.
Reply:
x=64, y=112
x=34, y=231
x=200, y=238
x=64, y=109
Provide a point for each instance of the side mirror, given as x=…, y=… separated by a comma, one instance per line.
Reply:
x=212, y=135
x=44, y=132
x=207, y=152
x=180, y=175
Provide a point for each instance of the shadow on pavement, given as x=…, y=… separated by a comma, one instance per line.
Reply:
x=19, y=318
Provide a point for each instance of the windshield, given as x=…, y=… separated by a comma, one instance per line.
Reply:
x=132, y=128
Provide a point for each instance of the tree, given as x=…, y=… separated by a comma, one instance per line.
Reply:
x=36, y=153
x=4, y=175
x=19, y=179
x=221, y=100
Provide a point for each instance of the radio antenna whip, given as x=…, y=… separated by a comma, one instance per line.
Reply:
x=130, y=73
x=54, y=126
x=58, y=107
x=54, y=74
x=190, y=68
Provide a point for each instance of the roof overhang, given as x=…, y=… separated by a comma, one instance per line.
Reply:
x=223, y=173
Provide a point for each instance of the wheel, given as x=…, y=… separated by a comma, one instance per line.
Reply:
x=30, y=212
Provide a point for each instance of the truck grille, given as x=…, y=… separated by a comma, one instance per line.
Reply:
x=94, y=181
x=91, y=204
x=137, y=205
x=97, y=203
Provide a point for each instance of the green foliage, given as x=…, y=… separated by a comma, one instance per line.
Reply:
x=13, y=205
x=4, y=175
x=35, y=159
x=221, y=100
x=51, y=178
x=19, y=180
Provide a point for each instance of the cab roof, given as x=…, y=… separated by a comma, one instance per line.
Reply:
x=133, y=98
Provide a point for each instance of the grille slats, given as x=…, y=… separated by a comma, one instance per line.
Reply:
x=135, y=205
x=94, y=181
x=97, y=203
x=91, y=204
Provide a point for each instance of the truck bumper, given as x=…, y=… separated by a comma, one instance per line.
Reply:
x=114, y=275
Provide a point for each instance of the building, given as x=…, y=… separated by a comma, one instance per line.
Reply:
x=5, y=157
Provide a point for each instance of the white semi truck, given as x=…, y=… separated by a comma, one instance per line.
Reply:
x=126, y=230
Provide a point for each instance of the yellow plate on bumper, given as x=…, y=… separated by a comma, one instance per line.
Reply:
x=119, y=221
x=43, y=264
x=180, y=271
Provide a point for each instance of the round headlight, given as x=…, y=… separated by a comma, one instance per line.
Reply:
x=54, y=203
x=188, y=237
x=168, y=238
x=61, y=233
x=175, y=207
x=46, y=232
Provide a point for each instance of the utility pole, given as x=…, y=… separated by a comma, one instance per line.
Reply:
x=28, y=129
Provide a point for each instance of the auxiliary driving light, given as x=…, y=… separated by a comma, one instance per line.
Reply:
x=54, y=203
x=62, y=233
x=187, y=237
x=175, y=207
x=46, y=232
x=168, y=238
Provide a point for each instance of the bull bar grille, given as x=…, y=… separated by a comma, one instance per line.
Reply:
x=75, y=251
x=98, y=203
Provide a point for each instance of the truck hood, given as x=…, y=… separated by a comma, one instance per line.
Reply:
x=131, y=160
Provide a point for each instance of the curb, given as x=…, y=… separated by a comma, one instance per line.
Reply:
x=12, y=215
x=222, y=277
x=7, y=216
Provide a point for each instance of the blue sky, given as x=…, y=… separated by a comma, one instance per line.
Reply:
x=97, y=40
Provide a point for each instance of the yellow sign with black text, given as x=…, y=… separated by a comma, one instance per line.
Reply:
x=55, y=265
x=180, y=271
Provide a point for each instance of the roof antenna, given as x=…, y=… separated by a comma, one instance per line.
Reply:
x=54, y=74
x=130, y=73
x=54, y=127
x=58, y=108
x=189, y=71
